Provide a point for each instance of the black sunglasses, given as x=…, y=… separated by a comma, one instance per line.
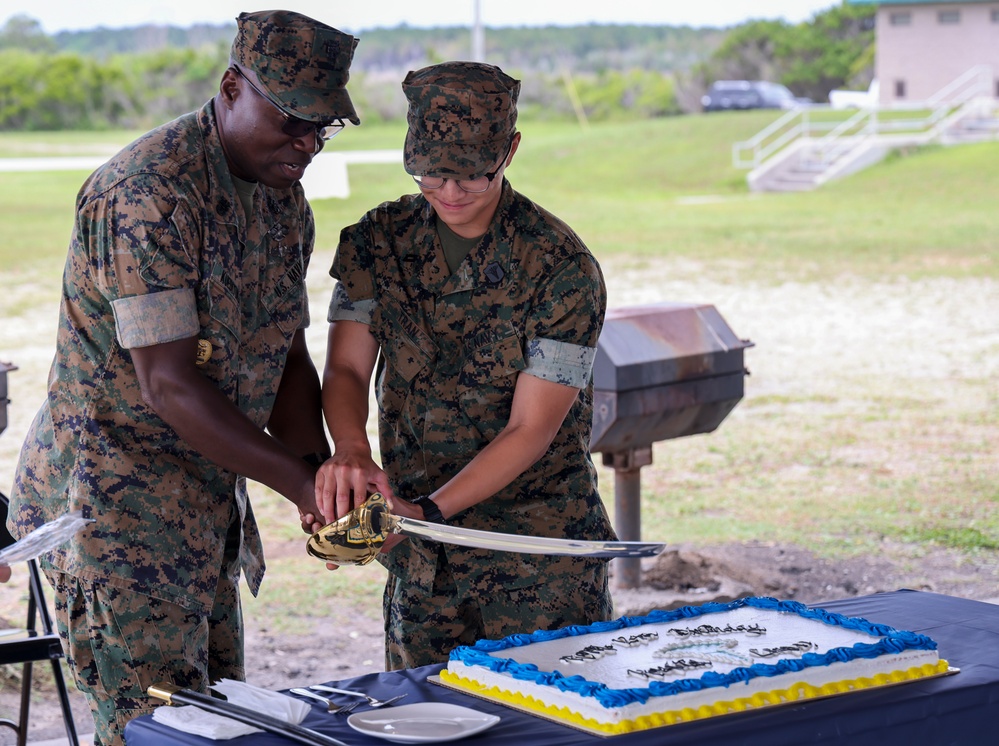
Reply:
x=293, y=126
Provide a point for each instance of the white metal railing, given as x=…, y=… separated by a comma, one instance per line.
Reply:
x=974, y=83
x=789, y=127
x=863, y=124
x=836, y=139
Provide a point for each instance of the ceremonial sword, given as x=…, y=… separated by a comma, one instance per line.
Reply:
x=357, y=537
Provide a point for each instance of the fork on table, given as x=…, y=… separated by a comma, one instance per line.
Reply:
x=372, y=701
x=331, y=706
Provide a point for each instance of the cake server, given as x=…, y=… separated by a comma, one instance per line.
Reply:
x=357, y=537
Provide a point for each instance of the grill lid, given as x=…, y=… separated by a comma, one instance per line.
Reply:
x=663, y=371
x=658, y=344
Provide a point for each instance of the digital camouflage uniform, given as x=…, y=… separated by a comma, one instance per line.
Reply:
x=529, y=298
x=161, y=251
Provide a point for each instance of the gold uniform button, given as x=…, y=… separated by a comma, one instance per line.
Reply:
x=204, y=352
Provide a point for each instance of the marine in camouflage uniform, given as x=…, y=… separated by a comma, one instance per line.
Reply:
x=181, y=338
x=470, y=351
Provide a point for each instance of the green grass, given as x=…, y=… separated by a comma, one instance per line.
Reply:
x=835, y=460
x=50, y=144
x=627, y=187
x=818, y=477
x=294, y=593
x=958, y=537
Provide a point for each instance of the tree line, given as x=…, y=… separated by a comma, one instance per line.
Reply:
x=136, y=78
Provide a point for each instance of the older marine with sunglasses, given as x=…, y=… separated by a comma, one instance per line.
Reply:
x=181, y=373
x=292, y=125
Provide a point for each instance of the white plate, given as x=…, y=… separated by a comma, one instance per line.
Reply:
x=424, y=722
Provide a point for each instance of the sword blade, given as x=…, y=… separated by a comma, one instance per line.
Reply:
x=470, y=537
x=357, y=537
x=174, y=695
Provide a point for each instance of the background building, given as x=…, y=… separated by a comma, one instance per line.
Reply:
x=925, y=45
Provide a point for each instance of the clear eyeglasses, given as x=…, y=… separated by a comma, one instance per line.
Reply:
x=472, y=186
x=295, y=127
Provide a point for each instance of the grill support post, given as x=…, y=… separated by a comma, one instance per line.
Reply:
x=627, y=467
x=661, y=371
x=5, y=368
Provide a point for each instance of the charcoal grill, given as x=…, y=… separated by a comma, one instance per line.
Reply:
x=661, y=371
x=5, y=368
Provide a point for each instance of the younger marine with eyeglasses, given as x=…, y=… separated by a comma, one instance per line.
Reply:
x=478, y=313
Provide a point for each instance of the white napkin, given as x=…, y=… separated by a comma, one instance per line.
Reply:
x=191, y=719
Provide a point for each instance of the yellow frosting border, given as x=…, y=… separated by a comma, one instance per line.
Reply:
x=796, y=692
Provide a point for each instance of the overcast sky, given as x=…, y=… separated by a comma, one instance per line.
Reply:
x=60, y=15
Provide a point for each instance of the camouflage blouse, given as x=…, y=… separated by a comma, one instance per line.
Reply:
x=162, y=251
x=529, y=298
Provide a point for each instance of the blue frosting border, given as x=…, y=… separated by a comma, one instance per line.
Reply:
x=892, y=641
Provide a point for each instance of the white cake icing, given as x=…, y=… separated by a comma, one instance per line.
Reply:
x=642, y=672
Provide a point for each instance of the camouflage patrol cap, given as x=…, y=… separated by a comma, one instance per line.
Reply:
x=462, y=116
x=303, y=65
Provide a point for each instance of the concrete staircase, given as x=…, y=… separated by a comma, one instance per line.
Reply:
x=975, y=128
x=802, y=167
x=805, y=149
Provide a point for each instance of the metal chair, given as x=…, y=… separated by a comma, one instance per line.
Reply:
x=38, y=641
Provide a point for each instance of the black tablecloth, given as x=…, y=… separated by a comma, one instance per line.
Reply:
x=957, y=709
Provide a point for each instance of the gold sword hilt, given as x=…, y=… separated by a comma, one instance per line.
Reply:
x=357, y=537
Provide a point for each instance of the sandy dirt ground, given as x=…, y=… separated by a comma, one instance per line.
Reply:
x=919, y=332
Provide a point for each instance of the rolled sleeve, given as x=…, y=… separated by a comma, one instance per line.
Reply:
x=342, y=308
x=565, y=322
x=560, y=362
x=155, y=318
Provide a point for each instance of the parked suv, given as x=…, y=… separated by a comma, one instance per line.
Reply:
x=725, y=95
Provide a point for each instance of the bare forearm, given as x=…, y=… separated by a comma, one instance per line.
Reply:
x=351, y=475
x=345, y=407
x=232, y=440
x=538, y=410
x=214, y=426
x=351, y=353
x=296, y=419
x=512, y=453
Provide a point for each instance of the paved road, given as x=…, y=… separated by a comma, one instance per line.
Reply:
x=326, y=177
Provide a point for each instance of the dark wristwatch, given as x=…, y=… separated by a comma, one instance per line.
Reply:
x=430, y=510
x=316, y=459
